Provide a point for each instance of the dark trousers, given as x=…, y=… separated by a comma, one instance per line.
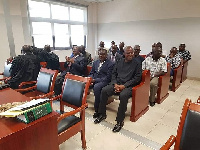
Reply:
x=97, y=93
x=123, y=97
x=58, y=84
x=171, y=72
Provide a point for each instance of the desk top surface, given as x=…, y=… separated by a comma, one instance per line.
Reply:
x=9, y=95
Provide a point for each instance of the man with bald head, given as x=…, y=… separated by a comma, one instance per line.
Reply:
x=126, y=74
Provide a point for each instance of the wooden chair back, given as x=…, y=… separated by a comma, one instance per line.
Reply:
x=163, y=85
x=176, y=82
x=188, y=130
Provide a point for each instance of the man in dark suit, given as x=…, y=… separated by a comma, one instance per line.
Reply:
x=126, y=74
x=101, y=75
x=75, y=65
x=113, y=55
x=137, y=54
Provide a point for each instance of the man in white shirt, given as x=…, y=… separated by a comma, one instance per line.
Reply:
x=157, y=66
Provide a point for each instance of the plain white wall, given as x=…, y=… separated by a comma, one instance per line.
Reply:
x=170, y=22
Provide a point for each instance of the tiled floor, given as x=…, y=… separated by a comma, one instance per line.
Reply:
x=149, y=132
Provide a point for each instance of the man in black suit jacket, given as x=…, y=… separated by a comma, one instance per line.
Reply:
x=113, y=55
x=126, y=74
x=75, y=65
x=101, y=75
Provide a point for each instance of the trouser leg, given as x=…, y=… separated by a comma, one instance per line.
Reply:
x=105, y=93
x=123, y=97
x=58, y=85
x=97, y=93
x=153, y=89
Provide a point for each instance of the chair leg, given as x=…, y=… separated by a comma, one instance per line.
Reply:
x=83, y=139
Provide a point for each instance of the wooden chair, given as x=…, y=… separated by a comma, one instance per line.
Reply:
x=74, y=94
x=176, y=82
x=144, y=56
x=140, y=97
x=43, y=64
x=43, y=87
x=184, y=72
x=188, y=132
x=163, y=86
x=6, y=72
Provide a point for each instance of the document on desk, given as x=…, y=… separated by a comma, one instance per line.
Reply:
x=18, y=110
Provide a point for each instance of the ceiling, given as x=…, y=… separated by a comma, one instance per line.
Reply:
x=98, y=1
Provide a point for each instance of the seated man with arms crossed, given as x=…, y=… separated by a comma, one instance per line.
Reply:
x=101, y=75
x=126, y=74
x=157, y=66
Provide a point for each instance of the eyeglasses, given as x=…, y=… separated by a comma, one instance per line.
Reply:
x=137, y=49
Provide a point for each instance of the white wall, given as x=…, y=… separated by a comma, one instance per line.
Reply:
x=145, y=22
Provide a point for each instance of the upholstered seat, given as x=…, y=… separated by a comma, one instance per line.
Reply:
x=66, y=123
x=188, y=132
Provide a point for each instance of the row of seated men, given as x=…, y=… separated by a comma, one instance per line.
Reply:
x=119, y=75
x=115, y=76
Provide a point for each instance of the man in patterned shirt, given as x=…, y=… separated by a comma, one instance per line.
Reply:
x=185, y=54
x=174, y=59
x=157, y=66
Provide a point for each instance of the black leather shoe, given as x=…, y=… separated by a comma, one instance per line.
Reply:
x=100, y=118
x=152, y=104
x=96, y=114
x=118, y=127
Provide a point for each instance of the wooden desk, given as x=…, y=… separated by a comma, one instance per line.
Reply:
x=38, y=135
x=9, y=95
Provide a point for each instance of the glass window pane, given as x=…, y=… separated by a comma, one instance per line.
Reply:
x=59, y=12
x=39, y=9
x=76, y=14
x=62, y=41
x=41, y=40
x=60, y=29
x=41, y=28
x=77, y=34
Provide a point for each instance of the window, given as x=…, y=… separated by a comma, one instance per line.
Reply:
x=60, y=25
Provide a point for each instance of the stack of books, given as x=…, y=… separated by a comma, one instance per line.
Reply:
x=29, y=111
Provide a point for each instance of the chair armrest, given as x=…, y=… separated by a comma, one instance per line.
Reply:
x=26, y=83
x=56, y=97
x=169, y=143
x=26, y=89
x=43, y=96
x=67, y=114
x=3, y=79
